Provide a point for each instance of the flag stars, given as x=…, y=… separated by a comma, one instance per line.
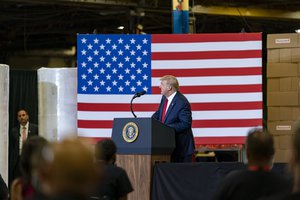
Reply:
x=108, y=41
x=83, y=64
x=90, y=70
x=90, y=82
x=114, y=59
x=138, y=47
x=102, y=47
x=102, y=59
x=127, y=71
x=132, y=52
x=96, y=76
x=120, y=77
x=127, y=83
x=96, y=41
x=145, y=41
x=84, y=88
x=114, y=70
x=102, y=71
x=102, y=83
x=145, y=77
x=132, y=77
x=145, y=53
x=90, y=58
x=132, y=41
x=108, y=77
x=120, y=41
x=114, y=83
x=127, y=59
x=127, y=47
x=145, y=88
x=138, y=59
x=83, y=52
x=96, y=88
x=83, y=77
x=108, y=52
x=120, y=52
x=96, y=65
x=90, y=46
x=138, y=83
x=114, y=47
x=145, y=65
x=96, y=52
x=108, y=64
x=120, y=65
x=138, y=71
x=83, y=40
x=108, y=89
x=132, y=65
x=120, y=89
x=132, y=89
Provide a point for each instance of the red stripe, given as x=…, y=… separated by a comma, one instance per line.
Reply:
x=226, y=123
x=226, y=37
x=205, y=55
x=196, y=123
x=152, y=107
x=216, y=89
x=219, y=140
x=93, y=140
x=207, y=72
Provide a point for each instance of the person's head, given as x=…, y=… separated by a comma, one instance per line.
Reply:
x=168, y=85
x=68, y=169
x=105, y=150
x=295, y=157
x=260, y=148
x=23, y=117
x=30, y=150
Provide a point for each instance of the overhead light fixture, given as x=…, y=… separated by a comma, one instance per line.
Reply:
x=297, y=30
x=121, y=27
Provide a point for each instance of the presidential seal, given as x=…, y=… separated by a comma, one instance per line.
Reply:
x=130, y=132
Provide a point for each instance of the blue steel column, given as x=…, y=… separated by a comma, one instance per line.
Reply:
x=180, y=16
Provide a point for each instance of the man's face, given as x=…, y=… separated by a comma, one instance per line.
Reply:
x=164, y=87
x=22, y=117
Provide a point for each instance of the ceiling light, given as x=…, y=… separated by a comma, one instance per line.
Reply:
x=121, y=27
x=297, y=30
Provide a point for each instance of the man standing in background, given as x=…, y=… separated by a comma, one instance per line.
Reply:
x=17, y=137
x=175, y=111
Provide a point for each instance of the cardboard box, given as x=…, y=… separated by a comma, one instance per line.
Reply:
x=285, y=141
x=282, y=70
x=281, y=127
x=285, y=55
x=282, y=40
x=273, y=84
x=289, y=84
x=274, y=114
x=282, y=155
x=282, y=98
x=273, y=56
x=276, y=141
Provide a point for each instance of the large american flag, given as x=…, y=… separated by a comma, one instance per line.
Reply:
x=220, y=74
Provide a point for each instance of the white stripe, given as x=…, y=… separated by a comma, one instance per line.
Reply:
x=213, y=80
x=210, y=63
x=197, y=115
x=198, y=132
x=155, y=98
x=206, y=46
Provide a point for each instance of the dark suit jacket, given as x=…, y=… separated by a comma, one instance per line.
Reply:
x=179, y=117
x=14, y=139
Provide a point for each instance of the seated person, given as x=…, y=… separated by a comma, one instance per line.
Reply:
x=115, y=184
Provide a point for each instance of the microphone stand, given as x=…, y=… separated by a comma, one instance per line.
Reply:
x=131, y=105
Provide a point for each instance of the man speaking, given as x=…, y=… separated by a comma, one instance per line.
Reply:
x=175, y=111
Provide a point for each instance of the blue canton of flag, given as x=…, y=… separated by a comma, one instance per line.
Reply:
x=113, y=64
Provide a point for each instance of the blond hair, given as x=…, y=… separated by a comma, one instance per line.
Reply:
x=171, y=80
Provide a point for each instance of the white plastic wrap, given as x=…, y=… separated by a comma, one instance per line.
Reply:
x=57, y=89
x=4, y=96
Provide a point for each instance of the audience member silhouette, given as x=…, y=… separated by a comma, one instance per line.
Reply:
x=257, y=181
x=3, y=189
x=21, y=187
x=115, y=184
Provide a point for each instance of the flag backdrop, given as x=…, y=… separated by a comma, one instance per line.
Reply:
x=220, y=74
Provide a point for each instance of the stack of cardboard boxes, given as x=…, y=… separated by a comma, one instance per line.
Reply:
x=283, y=96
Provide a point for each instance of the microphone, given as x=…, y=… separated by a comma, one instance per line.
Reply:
x=137, y=94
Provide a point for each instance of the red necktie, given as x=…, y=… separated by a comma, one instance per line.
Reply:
x=164, y=111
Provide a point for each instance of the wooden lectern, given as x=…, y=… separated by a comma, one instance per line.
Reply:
x=141, y=142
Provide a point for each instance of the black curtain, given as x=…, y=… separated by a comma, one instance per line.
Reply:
x=23, y=94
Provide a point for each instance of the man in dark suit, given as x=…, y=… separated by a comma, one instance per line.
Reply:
x=18, y=136
x=175, y=111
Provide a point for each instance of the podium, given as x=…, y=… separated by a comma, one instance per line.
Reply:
x=141, y=142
